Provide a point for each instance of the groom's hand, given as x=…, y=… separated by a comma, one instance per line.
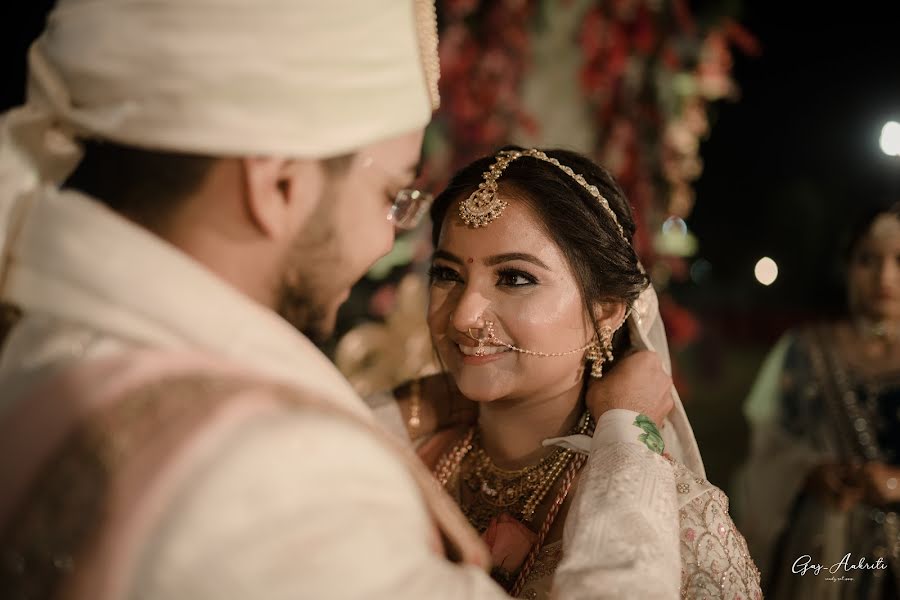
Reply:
x=637, y=383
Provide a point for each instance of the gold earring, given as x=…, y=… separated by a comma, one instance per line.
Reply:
x=598, y=354
x=594, y=358
x=606, y=335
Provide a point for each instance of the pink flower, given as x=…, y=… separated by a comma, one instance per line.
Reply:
x=689, y=535
x=509, y=542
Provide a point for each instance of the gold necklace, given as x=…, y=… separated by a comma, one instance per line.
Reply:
x=495, y=490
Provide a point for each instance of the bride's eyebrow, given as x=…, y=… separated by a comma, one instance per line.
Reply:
x=493, y=260
x=510, y=256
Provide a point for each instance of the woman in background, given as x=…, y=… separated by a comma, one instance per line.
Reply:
x=823, y=477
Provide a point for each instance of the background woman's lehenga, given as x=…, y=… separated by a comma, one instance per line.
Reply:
x=811, y=406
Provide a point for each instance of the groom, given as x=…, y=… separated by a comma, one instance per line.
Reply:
x=190, y=183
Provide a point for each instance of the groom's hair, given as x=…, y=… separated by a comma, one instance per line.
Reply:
x=148, y=186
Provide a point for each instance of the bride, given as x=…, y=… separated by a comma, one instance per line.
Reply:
x=535, y=288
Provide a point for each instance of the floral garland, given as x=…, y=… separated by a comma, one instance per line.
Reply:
x=484, y=54
x=648, y=72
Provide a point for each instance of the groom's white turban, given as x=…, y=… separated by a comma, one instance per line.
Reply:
x=293, y=78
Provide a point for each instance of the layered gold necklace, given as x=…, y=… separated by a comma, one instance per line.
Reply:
x=494, y=490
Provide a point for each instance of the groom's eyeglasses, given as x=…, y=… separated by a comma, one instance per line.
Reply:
x=409, y=205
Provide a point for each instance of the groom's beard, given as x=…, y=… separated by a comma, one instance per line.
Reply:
x=310, y=288
x=311, y=317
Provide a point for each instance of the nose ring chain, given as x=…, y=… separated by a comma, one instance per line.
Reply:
x=492, y=339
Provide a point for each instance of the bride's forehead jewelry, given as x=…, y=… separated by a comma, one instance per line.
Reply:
x=484, y=204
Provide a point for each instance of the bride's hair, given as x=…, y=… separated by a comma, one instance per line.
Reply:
x=605, y=267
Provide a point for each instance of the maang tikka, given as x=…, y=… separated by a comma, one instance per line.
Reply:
x=484, y=205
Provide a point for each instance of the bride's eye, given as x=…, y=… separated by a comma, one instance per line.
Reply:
x=441, y=274
x=515, y=278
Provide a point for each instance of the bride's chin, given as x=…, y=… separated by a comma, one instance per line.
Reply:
x=477, y=391
x=480, y=399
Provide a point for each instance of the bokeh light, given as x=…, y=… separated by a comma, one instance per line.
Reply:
x=890, y=138
x=766, y=271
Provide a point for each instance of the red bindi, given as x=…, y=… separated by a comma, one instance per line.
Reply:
x=470, y=261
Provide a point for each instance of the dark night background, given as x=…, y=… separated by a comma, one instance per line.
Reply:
x=793, y=160
x=786, y=166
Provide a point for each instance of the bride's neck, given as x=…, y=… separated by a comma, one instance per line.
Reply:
x=512, y=430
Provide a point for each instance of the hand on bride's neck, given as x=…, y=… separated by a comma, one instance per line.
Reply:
x=512, y=430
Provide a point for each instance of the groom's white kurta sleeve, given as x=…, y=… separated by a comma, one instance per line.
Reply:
x=312, y=507
x=621, y=535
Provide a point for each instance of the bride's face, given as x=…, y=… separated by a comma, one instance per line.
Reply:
x=510, y=272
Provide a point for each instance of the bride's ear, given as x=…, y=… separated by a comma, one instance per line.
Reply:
x=609, y=314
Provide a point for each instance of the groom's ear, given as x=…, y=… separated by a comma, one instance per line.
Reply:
x=281, y=194
x=609, y=314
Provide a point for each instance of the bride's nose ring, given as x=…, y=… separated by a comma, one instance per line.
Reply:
x=489, y=329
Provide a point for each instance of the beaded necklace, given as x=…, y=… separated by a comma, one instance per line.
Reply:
x=518, y=493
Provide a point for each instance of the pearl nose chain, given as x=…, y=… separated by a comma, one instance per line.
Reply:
x=492, y=339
